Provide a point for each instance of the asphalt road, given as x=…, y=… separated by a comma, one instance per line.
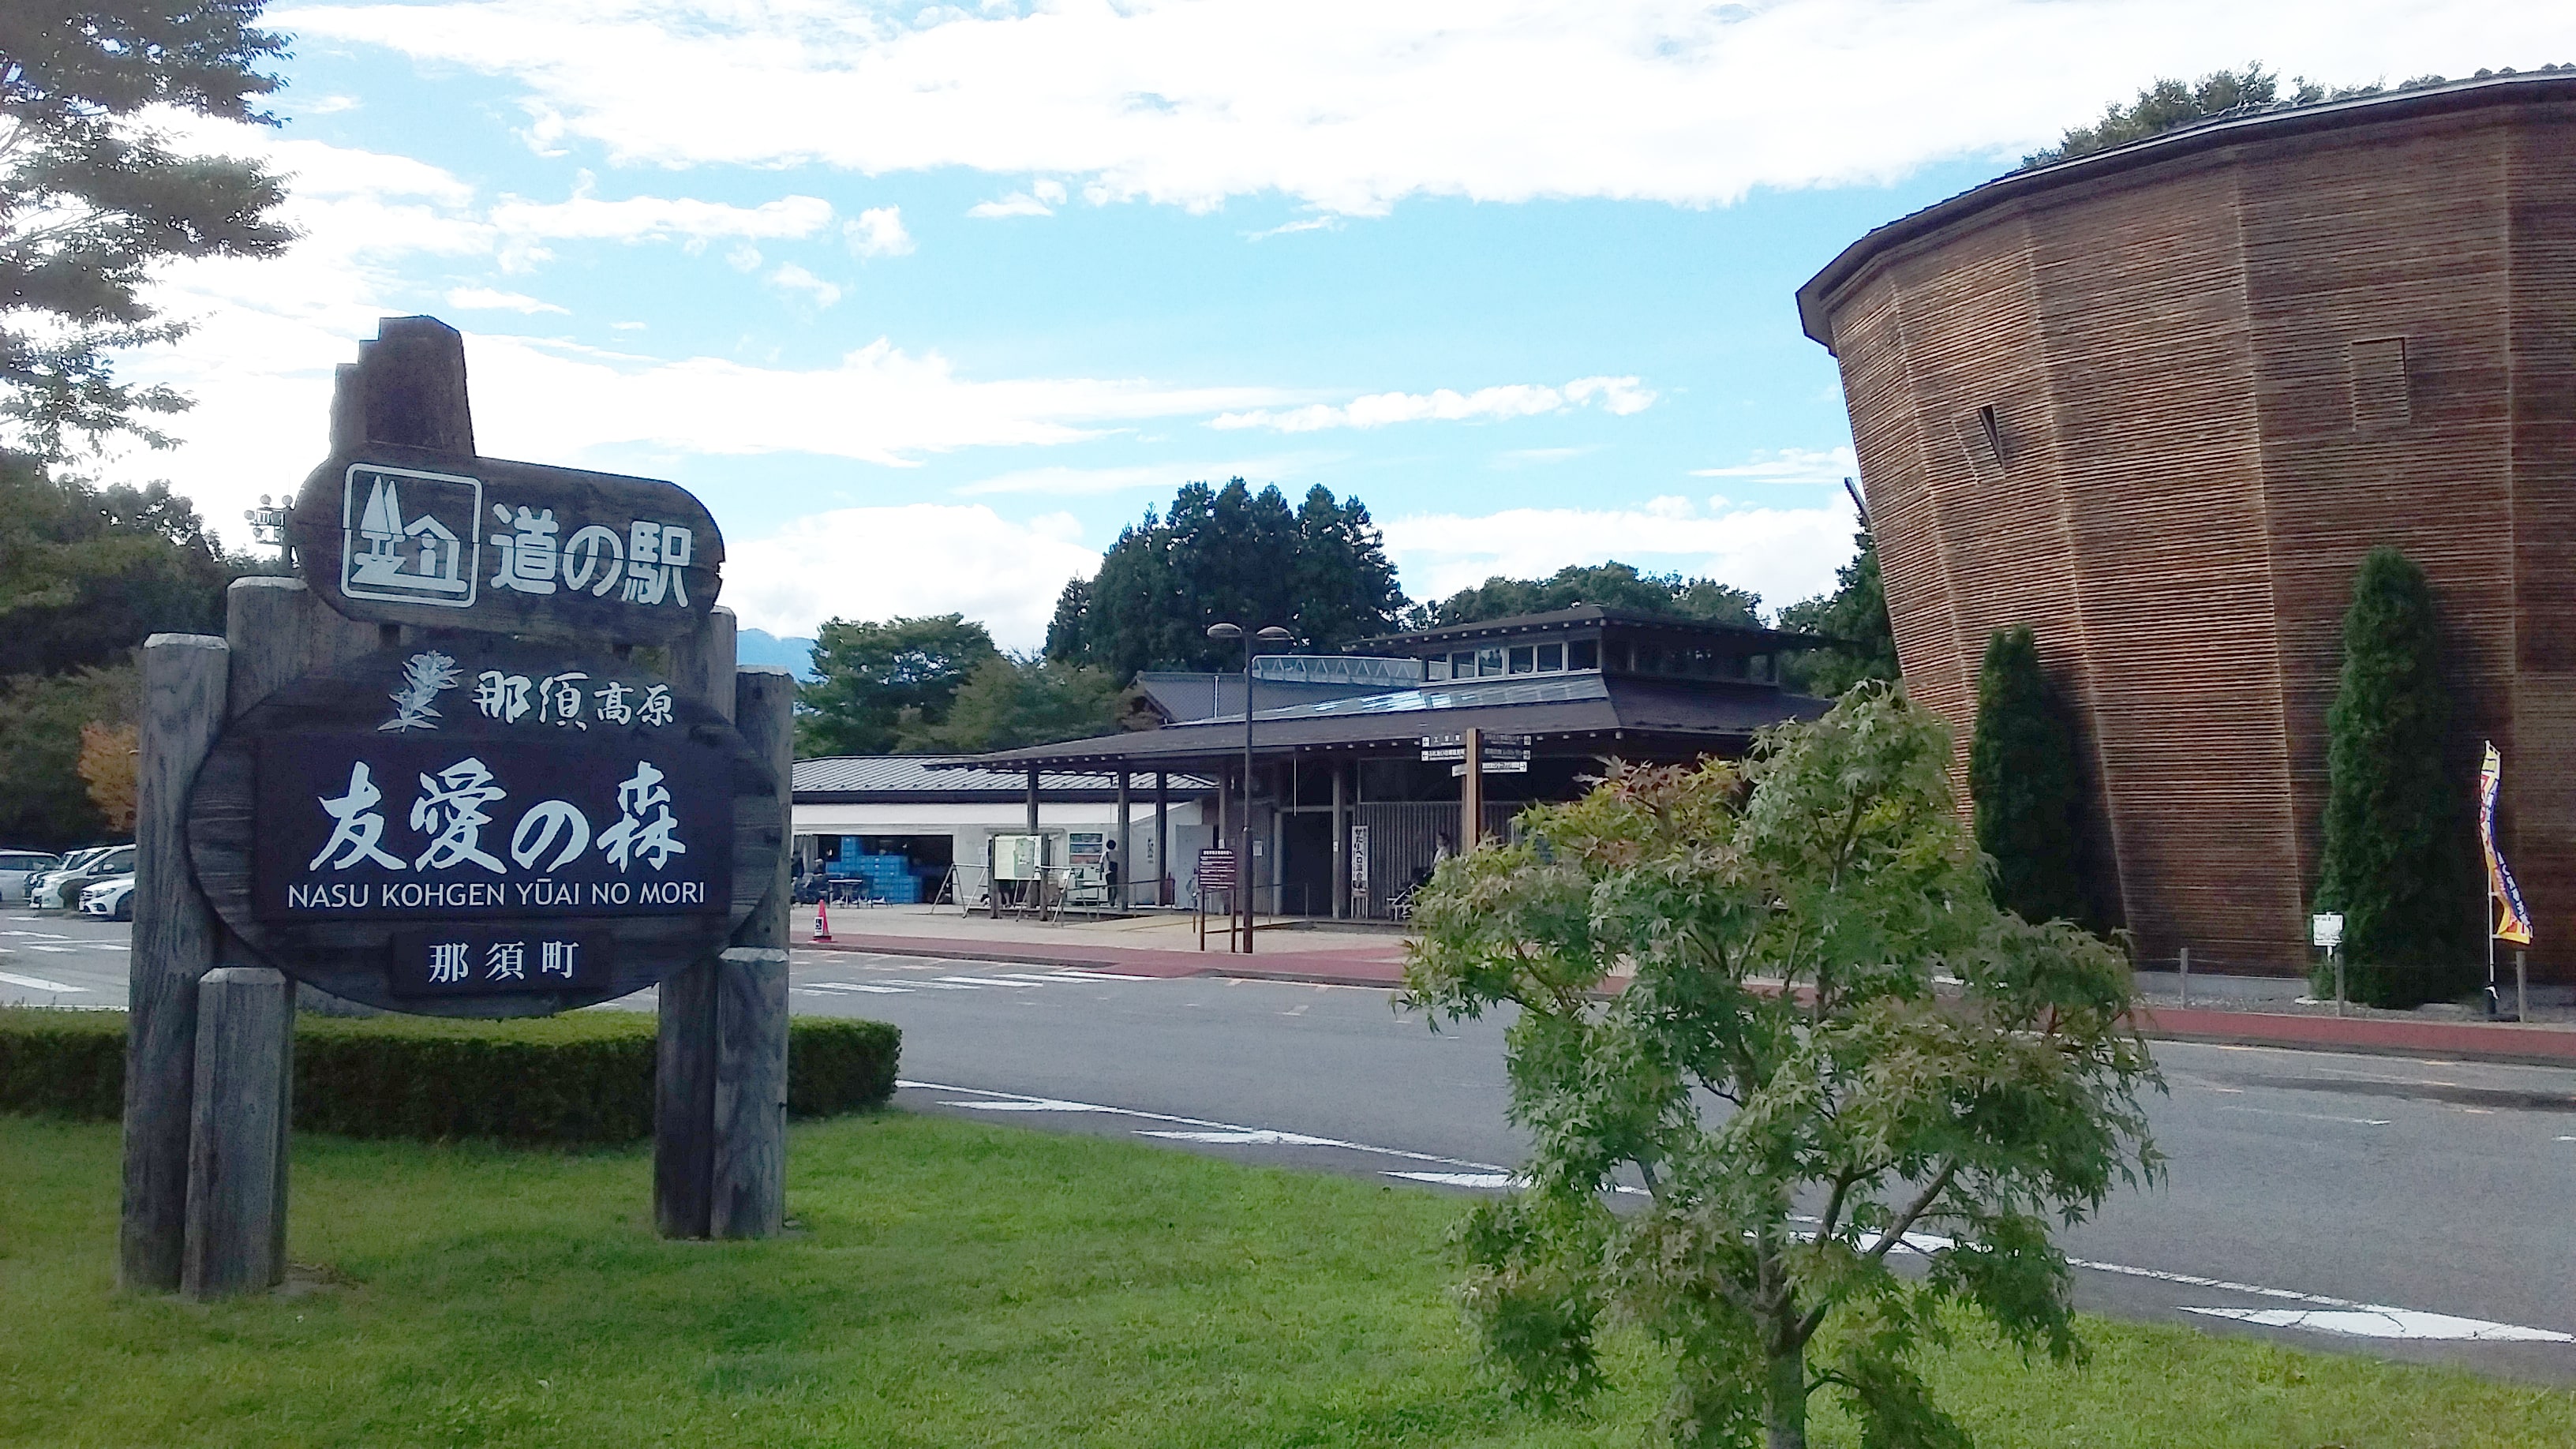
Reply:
x=2375, y=1204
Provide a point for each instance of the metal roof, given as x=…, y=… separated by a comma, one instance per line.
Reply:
x=2531, y=87
x=1756, y=637
x=937, y=779
x=1580, y=716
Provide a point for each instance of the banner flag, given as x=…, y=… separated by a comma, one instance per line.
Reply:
x=2512, y=923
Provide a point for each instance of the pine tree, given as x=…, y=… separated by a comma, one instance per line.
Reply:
x=2022, y=775
x=2397, y=821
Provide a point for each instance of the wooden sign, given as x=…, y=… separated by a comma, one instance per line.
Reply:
x=1216, y=870
x=402, y=535
x=476, y=827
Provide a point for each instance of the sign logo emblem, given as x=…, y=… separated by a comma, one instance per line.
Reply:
x=410, y=537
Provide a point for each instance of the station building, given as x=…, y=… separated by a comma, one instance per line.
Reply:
x=2157, y=402
x=1347, y=817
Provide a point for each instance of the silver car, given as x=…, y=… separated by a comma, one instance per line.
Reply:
x=60, y=890
x=19, y=869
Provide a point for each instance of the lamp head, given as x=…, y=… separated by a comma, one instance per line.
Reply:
x=1225, y=631
x=1274, y=635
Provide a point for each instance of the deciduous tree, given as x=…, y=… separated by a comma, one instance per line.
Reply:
x=2397, y=861
x=873, y=681
x=2166, y=104
x=1782, y=1081
x=1014, y=700
x=1855, y=614
x=93, y=196
x=1612, y=585
x=108, y=758
x=44, y=801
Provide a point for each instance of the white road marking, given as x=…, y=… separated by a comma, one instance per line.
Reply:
x=1494, y=1180
x=1086, y=975
x=38, y=983
x=37, y=935
x=869, y=986
x=2328, y=1315
x=985, y=981
x=2311, y=1116
x=1244, y=1137
x=57, y=950
x=2369, y=1321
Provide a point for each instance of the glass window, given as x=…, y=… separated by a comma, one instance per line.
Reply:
x=1489, y=661
x=1435, y=670
x=1551, y=658
x=1583, y=654
x=1463, y=665
x=1524, y=660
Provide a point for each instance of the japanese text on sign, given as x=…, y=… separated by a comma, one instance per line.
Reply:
x=417, y=537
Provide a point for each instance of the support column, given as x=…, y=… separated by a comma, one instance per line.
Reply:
x=245, y=1017
x=684, y=1067
x=1033, y=804
x=174, y=944
x=750, y=1169
x=1162, y=837
x=1341, y=846
x=1471, y=793
x=1125, y=891
x=278, y=632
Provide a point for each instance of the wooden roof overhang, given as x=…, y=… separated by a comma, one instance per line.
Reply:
x=2008, y=193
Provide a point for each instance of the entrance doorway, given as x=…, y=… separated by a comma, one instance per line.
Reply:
x=1306, y=863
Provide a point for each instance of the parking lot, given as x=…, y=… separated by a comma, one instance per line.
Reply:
x=62, y=958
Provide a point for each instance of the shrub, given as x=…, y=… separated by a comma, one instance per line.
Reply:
x=2397, y=822
x=576, y=1080
x=2022, y=775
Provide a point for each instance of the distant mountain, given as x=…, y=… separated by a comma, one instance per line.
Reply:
x=759, y=646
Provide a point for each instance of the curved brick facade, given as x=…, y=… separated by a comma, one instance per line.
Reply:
x=2158, y=402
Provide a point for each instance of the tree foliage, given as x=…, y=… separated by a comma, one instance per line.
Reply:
x=2166, y=104
x=876, y=681
x=1228, y=554
x=1854, y=613
x=1014, y=700
x=87, y=574
x=92, y=197
x=2022, y=775
x=1612, y=585
x=2397, y=822
x=109, y=756
x=1780, y=1051
x=45, y=803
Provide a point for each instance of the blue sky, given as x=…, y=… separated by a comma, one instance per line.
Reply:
x=926, y=302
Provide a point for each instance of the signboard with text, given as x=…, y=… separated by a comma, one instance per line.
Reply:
x=408, y=536
x=483, y=827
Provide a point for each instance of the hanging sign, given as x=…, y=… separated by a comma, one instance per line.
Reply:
x=483, y=828
x=402, y=535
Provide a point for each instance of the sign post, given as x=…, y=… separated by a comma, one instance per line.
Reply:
x=2326, y=929
x=432, y=777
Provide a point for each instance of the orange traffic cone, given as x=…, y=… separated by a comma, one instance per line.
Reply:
x=822, y=918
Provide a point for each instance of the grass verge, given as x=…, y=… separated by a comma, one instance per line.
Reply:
x=953, y=1284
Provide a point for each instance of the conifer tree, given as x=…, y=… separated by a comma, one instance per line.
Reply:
x=2397, y=823
x=2022, y=775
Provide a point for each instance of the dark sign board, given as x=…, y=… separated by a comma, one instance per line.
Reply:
x=403, y=535
x=518, y=803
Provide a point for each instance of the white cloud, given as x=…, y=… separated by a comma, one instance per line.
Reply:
x=922, y=558
x=1790, y=465
x=1353, y=105
x=1018, y=203
x=1783, y=554
x=878, y=232
x=1290, y=228
x=1617, y=395
x=1066, y=482
x=661, y=218
x=485, y=299
x=792, y=278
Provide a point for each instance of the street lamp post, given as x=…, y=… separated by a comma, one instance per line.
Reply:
x=1226, y=633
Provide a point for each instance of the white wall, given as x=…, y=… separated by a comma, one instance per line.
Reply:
x=967, y=826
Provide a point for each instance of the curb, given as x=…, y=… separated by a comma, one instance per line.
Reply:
x=1037, y=956
x=2539, y=1046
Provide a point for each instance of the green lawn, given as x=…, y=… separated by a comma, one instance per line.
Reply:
x=954, y=1284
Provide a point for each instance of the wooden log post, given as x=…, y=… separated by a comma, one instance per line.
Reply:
x=174, y=944
x=750, y=1197
x=684, y=1071
x=278, y=632
x=237, y=1123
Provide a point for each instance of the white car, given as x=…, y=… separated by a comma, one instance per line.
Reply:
x=62, y=889
x=112, y=898
x=19, y=870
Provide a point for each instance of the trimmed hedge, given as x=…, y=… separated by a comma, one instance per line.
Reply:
x=575, y=1080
